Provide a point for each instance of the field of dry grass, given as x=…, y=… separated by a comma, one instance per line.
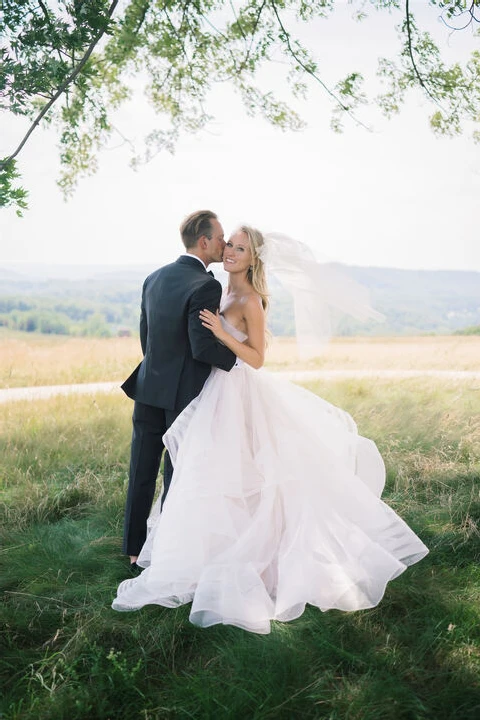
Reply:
x=29, y=359
x=384, y=353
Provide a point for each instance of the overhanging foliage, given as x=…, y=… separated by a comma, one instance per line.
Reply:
x=69, y=62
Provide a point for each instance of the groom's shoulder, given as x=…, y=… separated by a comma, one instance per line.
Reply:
x=164, y=270
x=184, y=273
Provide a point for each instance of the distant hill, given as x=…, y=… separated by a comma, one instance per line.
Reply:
x=416, y=301
x=104, y=299
x=8, y=274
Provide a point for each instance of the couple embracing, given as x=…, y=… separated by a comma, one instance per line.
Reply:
x=271, y=498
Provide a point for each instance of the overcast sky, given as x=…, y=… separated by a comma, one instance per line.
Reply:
x=397, y=196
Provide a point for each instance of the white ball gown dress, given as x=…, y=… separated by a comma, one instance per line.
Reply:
x=274, y=503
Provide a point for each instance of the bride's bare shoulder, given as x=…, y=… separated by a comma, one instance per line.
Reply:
x=252, y=299
x=253, y=311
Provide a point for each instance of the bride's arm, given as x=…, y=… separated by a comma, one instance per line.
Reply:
x=252, y=351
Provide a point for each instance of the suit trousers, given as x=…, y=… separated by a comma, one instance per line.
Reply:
x=149, y=425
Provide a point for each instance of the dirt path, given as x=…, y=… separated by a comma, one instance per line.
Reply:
x=47, y=391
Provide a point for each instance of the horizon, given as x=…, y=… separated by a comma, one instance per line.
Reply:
x=22, y=268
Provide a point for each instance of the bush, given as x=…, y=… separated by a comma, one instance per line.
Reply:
x=471, y=330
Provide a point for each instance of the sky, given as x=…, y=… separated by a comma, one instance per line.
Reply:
x=394, y=197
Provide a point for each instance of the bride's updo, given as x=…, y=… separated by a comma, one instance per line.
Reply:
x=256, y=274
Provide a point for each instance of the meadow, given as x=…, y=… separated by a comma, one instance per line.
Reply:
x=33, y=359
x=66, y=654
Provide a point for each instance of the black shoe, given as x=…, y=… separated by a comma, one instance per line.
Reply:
x=135, y=569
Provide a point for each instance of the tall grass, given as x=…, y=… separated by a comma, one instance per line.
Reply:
x=66, y=654
x=32, y=359
x=382, y=353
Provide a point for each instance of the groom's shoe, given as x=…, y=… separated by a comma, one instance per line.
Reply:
x=135, y=569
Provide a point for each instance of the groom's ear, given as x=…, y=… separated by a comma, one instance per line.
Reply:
x=203, y=242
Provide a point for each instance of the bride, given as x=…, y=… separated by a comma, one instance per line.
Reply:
x=275, y=497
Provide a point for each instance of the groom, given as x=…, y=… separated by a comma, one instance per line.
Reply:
x=178, y=357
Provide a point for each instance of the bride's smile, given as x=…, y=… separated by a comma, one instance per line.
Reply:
x=237, y=255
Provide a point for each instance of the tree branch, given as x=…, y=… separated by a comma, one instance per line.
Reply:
x=469, y=11
x=45, y=12
x=257, y=20
x=412, y=59
x=236, y=20
x=310, y=72
x=222, y=35
x=49, y=21
x=68, y=81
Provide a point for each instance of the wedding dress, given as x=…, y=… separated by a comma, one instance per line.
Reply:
x=274, y=503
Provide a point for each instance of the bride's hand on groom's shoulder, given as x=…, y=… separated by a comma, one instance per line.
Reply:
x=212, y=322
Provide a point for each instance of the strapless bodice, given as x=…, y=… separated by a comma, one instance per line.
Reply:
x=235, y=332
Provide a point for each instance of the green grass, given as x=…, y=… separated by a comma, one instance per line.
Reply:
x=66, y=654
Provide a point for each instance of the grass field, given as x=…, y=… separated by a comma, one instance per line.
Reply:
x=66, y=654
x=30, y=359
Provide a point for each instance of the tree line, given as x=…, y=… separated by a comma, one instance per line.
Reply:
x=51, y=317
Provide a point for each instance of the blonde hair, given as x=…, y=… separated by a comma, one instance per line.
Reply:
x=256, y=273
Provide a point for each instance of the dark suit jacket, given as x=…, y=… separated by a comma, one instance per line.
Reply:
x=178, y=351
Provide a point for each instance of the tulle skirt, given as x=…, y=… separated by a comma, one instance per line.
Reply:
x=274, y=503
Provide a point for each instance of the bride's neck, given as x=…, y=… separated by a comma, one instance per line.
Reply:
x=238, y=284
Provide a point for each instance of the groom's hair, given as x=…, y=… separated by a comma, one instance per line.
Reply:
x=195, y=225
